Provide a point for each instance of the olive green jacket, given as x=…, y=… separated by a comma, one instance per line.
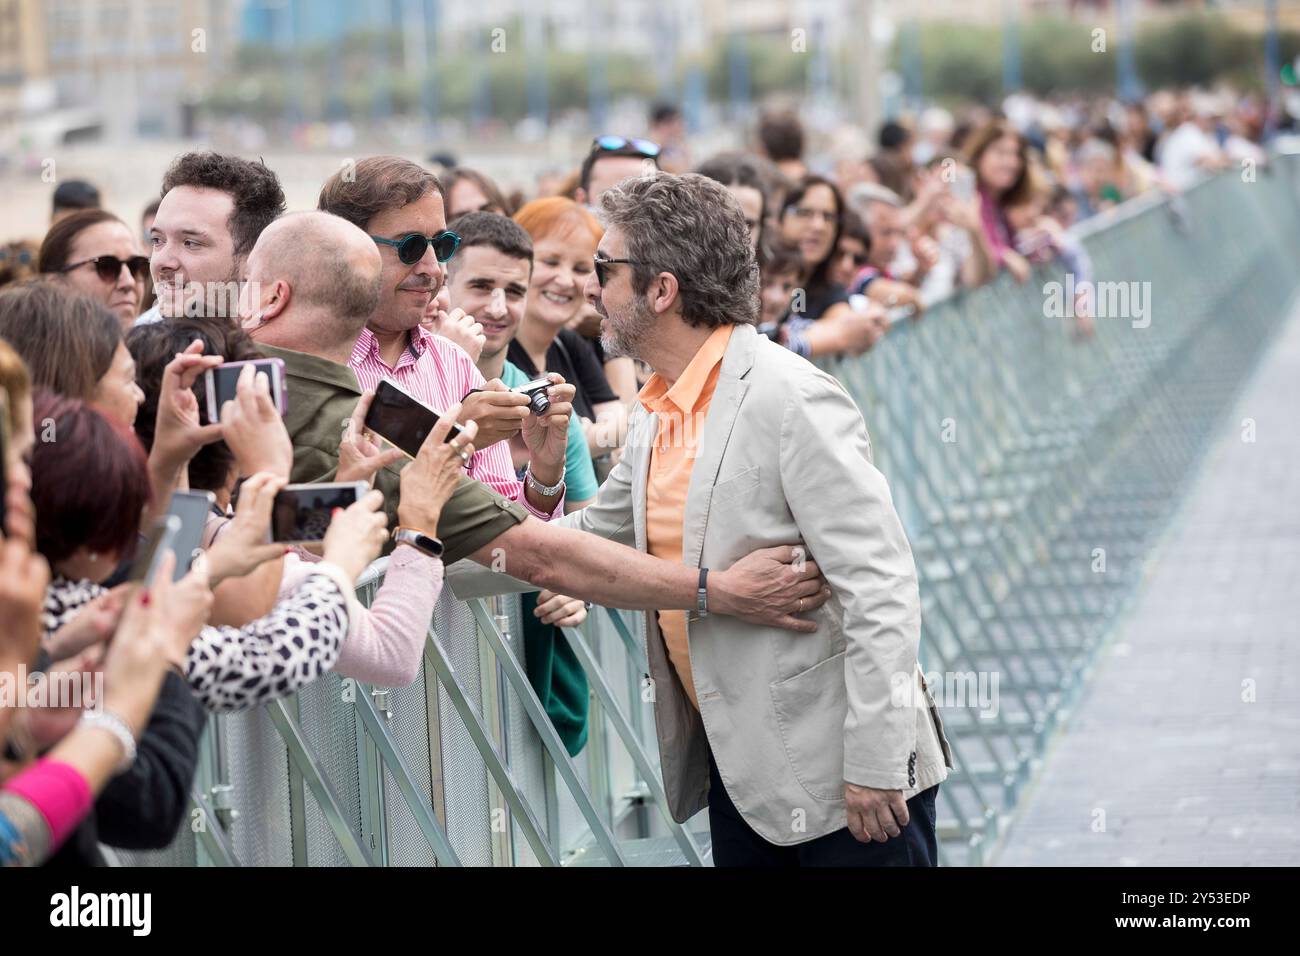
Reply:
x=321, y=398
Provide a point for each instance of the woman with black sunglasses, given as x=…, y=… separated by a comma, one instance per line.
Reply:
x=98, y=254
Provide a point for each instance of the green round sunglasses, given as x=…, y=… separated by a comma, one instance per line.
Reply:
x=411, y=247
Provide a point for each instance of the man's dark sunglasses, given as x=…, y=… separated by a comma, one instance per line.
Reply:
x=611, y=144
x=411, y=248
x=602, y=267
x=110, y=267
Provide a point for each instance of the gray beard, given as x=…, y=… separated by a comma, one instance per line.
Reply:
x=629, y=340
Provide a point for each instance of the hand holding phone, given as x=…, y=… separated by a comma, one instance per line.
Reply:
x=401, y=419
x=253, y=427
x=244, y=543
x=192, y=509
x=220, y=384
x=179, y=431
x=357, y=534
x=429, y=481
x=361, y=453
x=302, y=513
x=157, y=543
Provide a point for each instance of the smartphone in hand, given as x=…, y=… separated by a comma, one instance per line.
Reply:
x=220, y=383
x=302, y=513
x=192, y=509
x=401, y=419
x=157, y=542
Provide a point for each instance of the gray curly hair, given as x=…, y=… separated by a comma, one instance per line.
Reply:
x=692, y=227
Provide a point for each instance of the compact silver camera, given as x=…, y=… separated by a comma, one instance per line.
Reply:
x=538, y=400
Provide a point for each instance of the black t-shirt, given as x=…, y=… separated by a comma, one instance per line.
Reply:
x=572, y=356
x=818, y=299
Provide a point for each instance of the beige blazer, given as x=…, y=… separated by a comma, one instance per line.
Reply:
x=783, y=457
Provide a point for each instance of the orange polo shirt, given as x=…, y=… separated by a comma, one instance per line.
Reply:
x=681, y=410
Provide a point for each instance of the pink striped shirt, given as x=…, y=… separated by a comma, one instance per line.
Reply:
x=440, y=374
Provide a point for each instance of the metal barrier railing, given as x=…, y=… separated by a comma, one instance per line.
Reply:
x=1031, y=470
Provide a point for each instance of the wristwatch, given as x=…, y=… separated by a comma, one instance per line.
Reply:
x=424, y=543
x=545, y=491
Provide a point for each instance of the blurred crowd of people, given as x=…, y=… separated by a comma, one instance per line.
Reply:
x=437, y=281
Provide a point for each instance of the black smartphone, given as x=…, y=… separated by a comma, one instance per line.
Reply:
x=220, y=384
x=302, y=512
x=156, y=543
x=192, y=508
x=401, y=419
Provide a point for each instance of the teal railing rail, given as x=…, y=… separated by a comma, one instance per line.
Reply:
x=1031, y=468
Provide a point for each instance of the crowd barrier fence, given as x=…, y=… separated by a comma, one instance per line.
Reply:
x=1031, y=468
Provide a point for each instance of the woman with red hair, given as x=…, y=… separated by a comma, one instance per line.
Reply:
x=564, y=246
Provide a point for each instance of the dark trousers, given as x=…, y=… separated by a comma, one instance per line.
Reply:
x=736, y=844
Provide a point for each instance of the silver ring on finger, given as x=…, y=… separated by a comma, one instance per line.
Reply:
x=800, y=611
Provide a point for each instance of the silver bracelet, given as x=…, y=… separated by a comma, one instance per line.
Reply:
x=545, y=491
x=115, y=725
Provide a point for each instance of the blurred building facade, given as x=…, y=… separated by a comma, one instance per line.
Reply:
x=112, y=68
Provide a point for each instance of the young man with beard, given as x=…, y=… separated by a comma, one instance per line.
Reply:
x=212, y=210
x=488, y=280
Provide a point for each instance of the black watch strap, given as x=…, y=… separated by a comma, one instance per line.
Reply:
x=702, y=595
x=417, y=539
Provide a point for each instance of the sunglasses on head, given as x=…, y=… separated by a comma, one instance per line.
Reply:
x=411, y=248
x=611, y=143
x=110, y=267
x=23, y=257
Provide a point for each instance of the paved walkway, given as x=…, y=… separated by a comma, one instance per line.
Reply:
x=1166, y=741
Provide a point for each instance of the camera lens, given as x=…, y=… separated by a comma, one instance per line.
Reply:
x=538, y=402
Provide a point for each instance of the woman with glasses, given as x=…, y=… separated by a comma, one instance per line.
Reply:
x=98, y=254
x=812, y=220
x=822, y=321
x=564, y=245
x=851, y=251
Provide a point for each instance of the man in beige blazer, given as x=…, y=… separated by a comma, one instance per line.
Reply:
x=807, y=749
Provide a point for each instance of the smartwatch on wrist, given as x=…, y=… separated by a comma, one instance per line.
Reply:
x=424, y=543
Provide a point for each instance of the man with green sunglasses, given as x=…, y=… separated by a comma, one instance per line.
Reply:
x=412, y=247
x=400, y=205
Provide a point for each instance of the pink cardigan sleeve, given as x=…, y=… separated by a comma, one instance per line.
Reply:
x=385, y=646
x=59, y=793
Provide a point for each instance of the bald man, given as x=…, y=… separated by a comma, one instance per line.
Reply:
x=313, y=282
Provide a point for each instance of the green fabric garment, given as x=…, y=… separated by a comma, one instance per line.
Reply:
x=321, y=397
x=556, y=675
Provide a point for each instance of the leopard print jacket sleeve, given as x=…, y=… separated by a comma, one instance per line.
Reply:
x=232, y=669
x=237, y=668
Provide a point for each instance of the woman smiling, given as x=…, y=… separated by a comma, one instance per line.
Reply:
x=564, y=245
x=98, y=255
